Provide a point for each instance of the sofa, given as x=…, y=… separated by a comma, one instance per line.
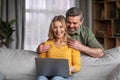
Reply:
x=18, y=64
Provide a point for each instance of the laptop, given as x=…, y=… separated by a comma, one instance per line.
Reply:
x=52, y=67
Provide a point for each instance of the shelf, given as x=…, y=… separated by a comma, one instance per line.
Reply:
x=111, y=1
x=98, y=1
x=106, y=22
x=109, y=43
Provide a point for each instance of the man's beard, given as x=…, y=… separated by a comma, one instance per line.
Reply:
x=70, y=32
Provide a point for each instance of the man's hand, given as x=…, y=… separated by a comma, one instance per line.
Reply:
x=42, y=48
x=74, y=44
x=94, y=52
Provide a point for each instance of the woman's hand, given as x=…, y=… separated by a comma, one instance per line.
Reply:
x=71, y=69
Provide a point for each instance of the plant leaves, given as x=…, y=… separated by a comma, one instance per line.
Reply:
x=11, y=22
x=6, y=31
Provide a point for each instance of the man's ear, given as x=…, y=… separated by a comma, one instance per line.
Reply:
x=81, y=21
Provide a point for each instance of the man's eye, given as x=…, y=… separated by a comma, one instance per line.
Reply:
x=68, y=22
x=74, y=23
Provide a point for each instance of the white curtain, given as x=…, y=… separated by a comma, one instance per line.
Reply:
x=38, y=17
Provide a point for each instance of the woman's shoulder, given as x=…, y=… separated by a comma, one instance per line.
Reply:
x=74, y=50
x=48, y=42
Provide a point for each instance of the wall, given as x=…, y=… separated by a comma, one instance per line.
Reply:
x=86, y=7
x=0, y=8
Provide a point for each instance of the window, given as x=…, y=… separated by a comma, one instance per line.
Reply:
x=38, y=17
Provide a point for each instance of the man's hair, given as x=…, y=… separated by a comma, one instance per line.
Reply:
x=74, y=11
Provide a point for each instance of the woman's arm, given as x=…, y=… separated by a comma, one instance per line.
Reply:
x=76, y=61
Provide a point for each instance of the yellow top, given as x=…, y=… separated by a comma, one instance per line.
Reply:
x=73, y=56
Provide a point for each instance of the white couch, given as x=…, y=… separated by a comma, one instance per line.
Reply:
x=20, y=65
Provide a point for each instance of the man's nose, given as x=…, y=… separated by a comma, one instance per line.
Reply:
x=71, y=25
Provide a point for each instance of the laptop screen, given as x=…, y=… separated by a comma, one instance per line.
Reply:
x=52, y=67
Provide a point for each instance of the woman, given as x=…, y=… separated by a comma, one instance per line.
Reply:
x=58, y=37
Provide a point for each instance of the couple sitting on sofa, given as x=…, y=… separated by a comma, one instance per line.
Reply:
x=82, y=37
x=74, y=20
x=59, y=37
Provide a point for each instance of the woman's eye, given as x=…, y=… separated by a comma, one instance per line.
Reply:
x=55, y=27
x=61, y=26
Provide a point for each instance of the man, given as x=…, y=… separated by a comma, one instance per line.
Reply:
x=82, y=38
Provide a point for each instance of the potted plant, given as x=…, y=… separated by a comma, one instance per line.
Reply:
x=6, y=31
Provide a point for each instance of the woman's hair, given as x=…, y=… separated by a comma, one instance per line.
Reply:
x=61, y=19
x=74, y=11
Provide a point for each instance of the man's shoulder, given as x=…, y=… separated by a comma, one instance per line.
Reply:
x=85, y=28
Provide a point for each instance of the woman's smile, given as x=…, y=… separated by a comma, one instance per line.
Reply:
x=59, y=30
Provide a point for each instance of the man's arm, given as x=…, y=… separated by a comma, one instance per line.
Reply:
x=42, y=48
x=94, y=52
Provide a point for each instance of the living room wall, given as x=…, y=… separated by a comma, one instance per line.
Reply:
x=14, y=9
x=86, y=7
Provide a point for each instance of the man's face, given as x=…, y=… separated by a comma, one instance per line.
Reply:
x=73, y=23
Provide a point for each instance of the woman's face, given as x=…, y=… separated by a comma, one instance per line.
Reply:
x=58, y=30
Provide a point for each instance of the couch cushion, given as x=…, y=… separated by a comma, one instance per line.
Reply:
x=17, y=64
x=2, y=76
x=115, y=74
x=98, y=68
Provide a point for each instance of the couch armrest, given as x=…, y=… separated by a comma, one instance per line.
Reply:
x=98, y=68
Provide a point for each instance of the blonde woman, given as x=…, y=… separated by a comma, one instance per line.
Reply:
x=58, y=48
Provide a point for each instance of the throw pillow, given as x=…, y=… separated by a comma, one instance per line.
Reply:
x=115, y=75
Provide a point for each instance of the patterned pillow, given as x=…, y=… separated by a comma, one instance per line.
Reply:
x=115, y=75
